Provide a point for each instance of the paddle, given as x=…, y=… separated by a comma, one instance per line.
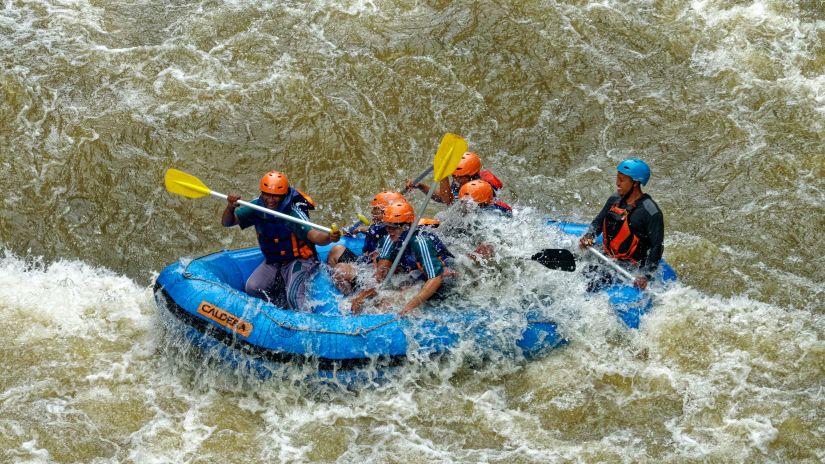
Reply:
x=564, y=260
x=612, y=263
x=555, y=258
x=190, y=186
x=419, y=178
x=361, y=220
x=449, y=153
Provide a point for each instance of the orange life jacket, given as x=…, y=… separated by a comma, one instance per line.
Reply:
x=491, y=179
x=503, y=206
x=619, y=242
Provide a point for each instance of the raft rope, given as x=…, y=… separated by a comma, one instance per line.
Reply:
x=257, y=303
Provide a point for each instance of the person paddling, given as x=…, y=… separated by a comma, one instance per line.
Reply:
x=482, y=194
x=288, y=248
x=423, y=255
x=632, y=225
x=469, y=168
x=479, y=196
x=342, y=260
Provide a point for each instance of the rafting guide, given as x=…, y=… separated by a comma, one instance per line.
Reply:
x=632, y=226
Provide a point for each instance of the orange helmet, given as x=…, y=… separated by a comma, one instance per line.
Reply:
x=387, y=198
x=478, y=191
x=399, y=213
x=469, y=165
x=274, y=182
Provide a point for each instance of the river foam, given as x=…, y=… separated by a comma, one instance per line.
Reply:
x=714, y=378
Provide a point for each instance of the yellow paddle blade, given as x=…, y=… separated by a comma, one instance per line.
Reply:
x=185, y=184
x=363, y=219
x=449, y=153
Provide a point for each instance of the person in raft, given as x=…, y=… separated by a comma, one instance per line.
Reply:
x=632, y=225
x=288, y=247
x=422, y=255
x=342, y=260
x=469, y=168
x=480, y=196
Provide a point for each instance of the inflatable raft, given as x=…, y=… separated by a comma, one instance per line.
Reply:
x=205, y=295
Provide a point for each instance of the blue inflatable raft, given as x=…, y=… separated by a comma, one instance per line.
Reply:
x=206, y=295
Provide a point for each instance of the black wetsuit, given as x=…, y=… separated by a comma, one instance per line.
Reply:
x=646, y=221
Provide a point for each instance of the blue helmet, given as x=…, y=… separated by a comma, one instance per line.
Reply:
x=636, y=169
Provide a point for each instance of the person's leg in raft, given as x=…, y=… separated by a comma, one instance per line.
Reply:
x=343, y=268
x=262, y=283
x=335, y=253
x=296, y=274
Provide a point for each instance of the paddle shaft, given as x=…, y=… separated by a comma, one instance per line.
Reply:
x=612, y=264
x=283, y=216
x=419, y=178
x=407, y=239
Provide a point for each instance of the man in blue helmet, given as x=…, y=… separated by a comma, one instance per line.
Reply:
x=632, y=225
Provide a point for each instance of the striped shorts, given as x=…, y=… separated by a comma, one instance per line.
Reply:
x=263, y=283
